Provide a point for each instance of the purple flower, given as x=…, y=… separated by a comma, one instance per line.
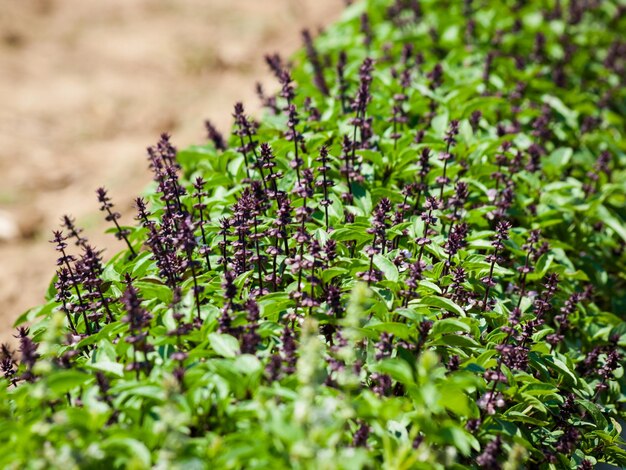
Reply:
x=489, y=401
x=360, y=436
x=489, y=457
x=28, y=353
x=214, y=135
x=69, y=225
x=138, y=320
x=312, y=55
x=106, y=206
x=8, y=364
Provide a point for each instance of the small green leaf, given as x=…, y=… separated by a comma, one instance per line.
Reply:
x=442, y=302
x=224, y=345
x=63, y=381
x=387, y=267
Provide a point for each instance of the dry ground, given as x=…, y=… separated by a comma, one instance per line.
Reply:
x=86, y=85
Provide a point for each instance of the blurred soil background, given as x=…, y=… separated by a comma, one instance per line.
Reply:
x=86, y=86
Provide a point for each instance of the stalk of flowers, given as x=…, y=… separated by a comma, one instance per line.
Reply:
x=138, y=319
x=250, y=338
x=541, y=128
x=288, y=351
x=527, y=268
x=359, y=439
x=456, y=290
x=187, y=242
x=267, y=163
x=325, y=183
x=257, y=258
x=366, y=30
x=487, y=71
x=245, y=129
x=455, y=242
x=562, y=320
x=474, y=120
x=429, y=219
x=170, y=186
x=404, y=12
x=450, y=140
x=230, y=306
x=380, y=219
x=516, y=98
x=488, y=459
x=347, y=169
x=503, y=201
x=501, y=161
x=89, y=268
x=182, y=328
x=28, y=354
x=242, y=222
x=424, y=169
x=501, y=235
x=112, y=216
x=293, y=135
x=435, y=77
x=310, y=299
x=268, y=102
x=170, y=260
x=280, y=232
x=415, y=270
x=69, y=224
x=399, y=116
x=299, y=263
x=8, y=364
x=63, y=295
x=312, y=111
x=456, y=202
x=65, y=261
x=275, y=63
x=215, y=136
x=541, y=306
x=379, y=231
x=342, y=85
x=402, y=208
x=158, y=169
x=200, y=207
x=606, y=372
x=318, y=69
x=158, y=244
x=600, y=166
x=224, y=233
x=361, y=123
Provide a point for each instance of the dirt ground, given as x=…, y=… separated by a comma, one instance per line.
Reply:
x=86, y=86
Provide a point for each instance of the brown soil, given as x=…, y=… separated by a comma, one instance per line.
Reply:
x=86, y=86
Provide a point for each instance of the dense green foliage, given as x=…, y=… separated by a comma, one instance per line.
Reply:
x=431, y=277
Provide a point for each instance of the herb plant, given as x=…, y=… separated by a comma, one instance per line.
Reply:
x=415, y=259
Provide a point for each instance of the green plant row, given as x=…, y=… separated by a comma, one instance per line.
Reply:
x=414, y=260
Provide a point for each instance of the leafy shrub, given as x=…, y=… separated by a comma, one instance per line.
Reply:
x=414, y=260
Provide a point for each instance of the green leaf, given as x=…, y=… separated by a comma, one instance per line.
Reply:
x=108, y=366
x=387, y=267
x=136, y=453
x=63, y=381
x=397, y=369
x=448, y=325
x=400, y=330
x=617, y=226
x=441, y=302
x=224, y=345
